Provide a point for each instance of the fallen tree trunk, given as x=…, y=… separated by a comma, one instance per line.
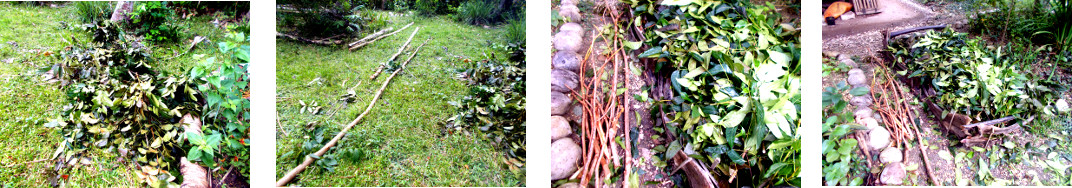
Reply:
x=400, y=50
x=361, y=44
x=309, y=160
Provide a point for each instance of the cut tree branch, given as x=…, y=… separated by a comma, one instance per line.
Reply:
x=309, y=160
x=400, y=50
x=359, y=44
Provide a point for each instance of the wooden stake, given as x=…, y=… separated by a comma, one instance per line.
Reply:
x=309, y=160
x=400, y=50
x=359, y=45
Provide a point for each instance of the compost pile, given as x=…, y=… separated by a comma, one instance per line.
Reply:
x=735, y=74
x=967, y=77
x=118, y=103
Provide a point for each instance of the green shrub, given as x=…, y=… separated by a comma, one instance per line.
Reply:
x=433, y=7
x=155, y=21
x=476, y=12
x=93, y=11
x=326, y=18
x=515, y=31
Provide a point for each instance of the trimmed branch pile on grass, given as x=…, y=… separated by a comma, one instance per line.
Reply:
x=735, y=95
x=117, y=101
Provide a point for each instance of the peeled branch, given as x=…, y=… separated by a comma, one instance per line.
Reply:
x=193, y=175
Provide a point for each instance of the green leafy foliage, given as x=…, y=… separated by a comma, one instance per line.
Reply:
x=476, y=12
x=117, y=101
x=515, y=31
x=155, y=21
x=972, y=79
x=838, y=151
x=495, y=103
x=736, y=78
x=225, y=87
x=93, y=11
x=433, y=7
x=327, y=18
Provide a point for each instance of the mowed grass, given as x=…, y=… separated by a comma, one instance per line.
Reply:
x=405, y=122
x=27, y=102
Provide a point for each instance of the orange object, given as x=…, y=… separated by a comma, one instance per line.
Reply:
x=836, y=9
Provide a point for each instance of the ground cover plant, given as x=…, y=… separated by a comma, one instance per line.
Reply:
x=84, y=110
x=404, y=140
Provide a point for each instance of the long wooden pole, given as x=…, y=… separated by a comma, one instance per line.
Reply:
x=400, y=50
x=356, y=46
x=309, y=160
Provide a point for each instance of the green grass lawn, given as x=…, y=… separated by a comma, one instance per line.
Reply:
x=410, y=149
x=26, y=102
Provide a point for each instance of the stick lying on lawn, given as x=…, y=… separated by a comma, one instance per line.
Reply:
x=309, y=160
x=359, y=44
x=400, y=50
x=370, y=36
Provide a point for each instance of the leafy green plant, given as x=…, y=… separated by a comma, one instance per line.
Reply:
x=225, y=87
x=155, y=21
x=327, y=18
x=735, y=75
x=433, y=7
x=92, y=11
x=515, y=31
x=476, y=12
x=495, y=103
x=838, y=151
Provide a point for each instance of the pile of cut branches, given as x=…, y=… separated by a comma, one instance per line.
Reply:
x=735, y=75
x=967, y=77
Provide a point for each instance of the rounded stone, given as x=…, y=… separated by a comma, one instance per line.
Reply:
x=879, y=138
x=564, y=157
x=571, y=28
x=861, y=113
x=868, y=122
x=570, y=12
x=567, y=41
x=857, y=77
x=559, y=127
x=568, y=2
x=566, y=60
x=893, y=174
x=861, y=101
x=559, y=103
x=891, y=155
x=563, y=81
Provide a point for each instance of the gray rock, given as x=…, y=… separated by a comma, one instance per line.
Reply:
x=861, y=101
x=891, y=155
x=563, y=81
x=559, y=103
x=857, y=78
x=845, y=59
x=879, y=138
x=572, y=28
x=861, y=113
x=893, y=174
x=564, y=157
x=570, y=12
x=567, y=41
x=559, y=127
x=566, y=60
x=570, y=185
x=568, y=2
x=868, y=122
